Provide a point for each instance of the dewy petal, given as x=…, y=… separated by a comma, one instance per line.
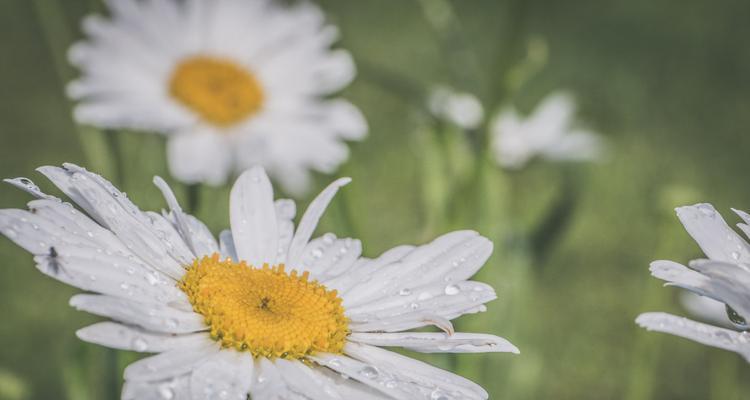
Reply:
x=173, y=388
x=171, y=363
x=226, y=245
x=29, y=187
x=433, y=342
x=729, y=283
x=738, y=342
x=451, y=258
x=302, y=379
x=717, y=240
x=154, y=317
x=285, y=212
x=310, y=220
x=253, y=218
x=327, y=257
x=194, y=232
x=124, y=337
x=435, y=380
x=268, y=383
x=226, y=375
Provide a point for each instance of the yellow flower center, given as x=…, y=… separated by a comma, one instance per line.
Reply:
x=265, y=310
x=219, y=90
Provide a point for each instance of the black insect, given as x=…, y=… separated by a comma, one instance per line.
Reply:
x=52, y=262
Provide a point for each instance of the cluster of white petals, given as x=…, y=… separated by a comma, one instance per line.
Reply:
x=724, y=276
x=130, y=261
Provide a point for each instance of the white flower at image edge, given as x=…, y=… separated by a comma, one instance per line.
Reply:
x=724, y=277
x=265, y=310
x=231, y=83
x=547, y=133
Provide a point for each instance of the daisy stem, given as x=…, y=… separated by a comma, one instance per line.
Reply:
x=193, y=194
x=58, y=37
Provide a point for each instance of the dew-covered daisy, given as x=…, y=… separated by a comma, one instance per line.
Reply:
x=264, y=310
x=549, y=133
x=724, y=276
x=232, y=83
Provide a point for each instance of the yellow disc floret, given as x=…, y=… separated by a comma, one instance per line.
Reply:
x=220, y=91
x=265, y=310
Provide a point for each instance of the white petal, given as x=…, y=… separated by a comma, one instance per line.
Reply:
x=738, y=342
x=199, y=157
x=171, y=363
x=712, y=234
x=132, y=338
x=431, y=342
x=434, y=379
x=364, y=270
x=29, y=187
x=226, y=245
x=173, y=388
x=285, y=211
x=194, y=232
x=226, y=375
x=453, y=257
x=327, y=257
x=253, y=218
x=302, y=379
x=730, y=283
x=154, y=317
x=310, y=220
x=268, y=383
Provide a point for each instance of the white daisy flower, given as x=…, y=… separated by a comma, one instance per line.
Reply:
x=460, y=108
x=228, y=318
x=232, y=83
x=724, y=276
x=547, y=133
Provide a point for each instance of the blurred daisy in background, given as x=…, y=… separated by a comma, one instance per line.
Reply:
x=231, y=83
x=459, y=108
x=547, y=133
x=724, y=277
x=228, y=318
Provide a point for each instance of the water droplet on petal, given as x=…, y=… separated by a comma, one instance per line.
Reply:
x=139, y=344
x=404, y=292
x=166, y=392
x=451, y=290
x=369, y=372
x=736, y=318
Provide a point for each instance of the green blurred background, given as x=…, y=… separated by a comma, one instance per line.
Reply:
x=666, y=82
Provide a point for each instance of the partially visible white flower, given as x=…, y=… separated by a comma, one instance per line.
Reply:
x=267, y=309
x=231, y=83
x=724, y=276
x=547, y=133
x=460, y=108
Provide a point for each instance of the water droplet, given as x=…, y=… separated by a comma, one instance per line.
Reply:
x=317, y=252
x=139, y=344
x=328, y=238
x=451, y=290
x=261, y=378
x=736, y=318
x=413, y=306
x=124, y=286
x=369, y=372
x=404, y=292
x=424, y=296
x=90, y=234
x=166, y=392
x=736, y=255
x=391, y=384
x=334, y=363
x=92, y=277
x=172, y=323
x=10, y=233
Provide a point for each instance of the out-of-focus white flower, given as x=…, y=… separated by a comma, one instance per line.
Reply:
x=232, y=83
x=547, y=133
x=460, y=108
x=724, y=276
x=264, y=310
